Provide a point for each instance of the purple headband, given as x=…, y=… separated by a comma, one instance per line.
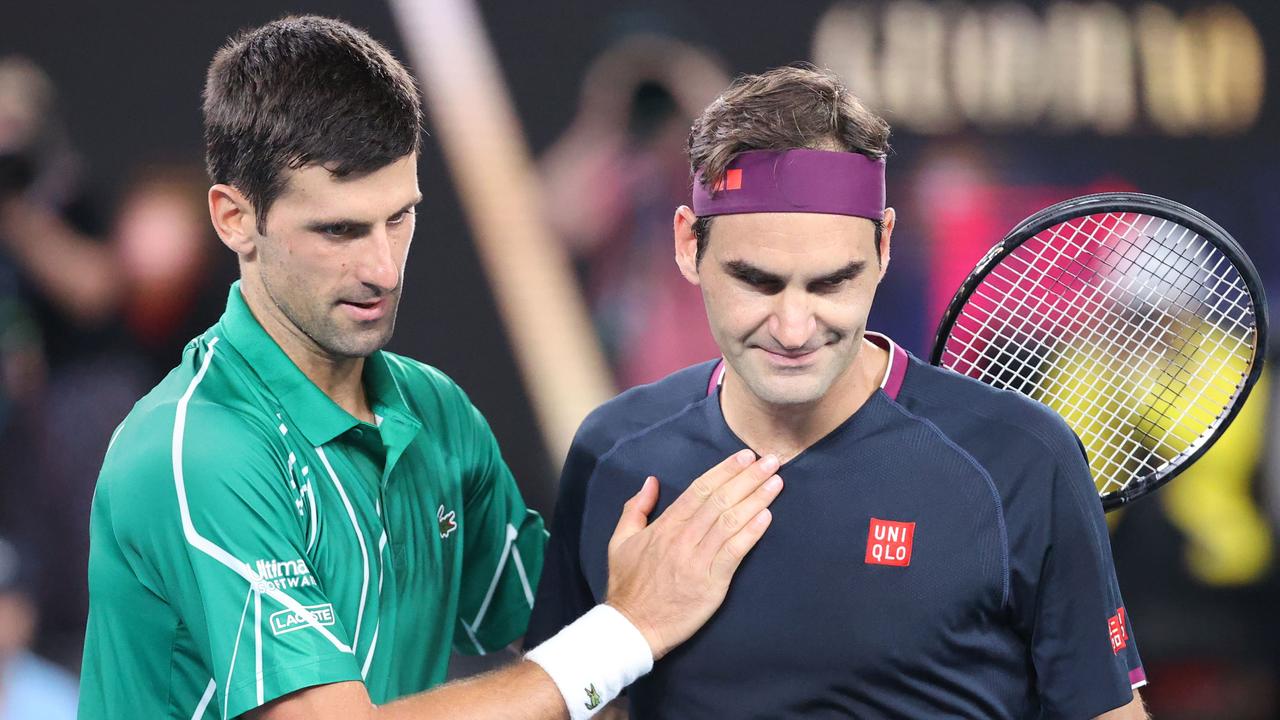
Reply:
x=800, y=180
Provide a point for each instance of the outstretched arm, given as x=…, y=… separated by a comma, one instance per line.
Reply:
x=665, y=578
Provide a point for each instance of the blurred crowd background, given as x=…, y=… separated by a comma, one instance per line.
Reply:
x=108, y=264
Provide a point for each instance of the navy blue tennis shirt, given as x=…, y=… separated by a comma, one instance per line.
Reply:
x=942, y=553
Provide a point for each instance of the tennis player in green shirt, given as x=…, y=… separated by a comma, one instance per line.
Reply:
x=297, y=524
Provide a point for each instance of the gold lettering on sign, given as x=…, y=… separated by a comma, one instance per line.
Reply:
x=1077, y=66
x=915, y=39
x=997, y=65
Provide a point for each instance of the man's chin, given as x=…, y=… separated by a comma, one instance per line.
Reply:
x=360, y=344
x=784, y=390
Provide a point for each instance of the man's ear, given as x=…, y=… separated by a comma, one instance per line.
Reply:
x=234, y=219
x=889, y=218
x=686, y=243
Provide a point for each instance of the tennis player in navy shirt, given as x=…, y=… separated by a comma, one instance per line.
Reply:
x=940, y=550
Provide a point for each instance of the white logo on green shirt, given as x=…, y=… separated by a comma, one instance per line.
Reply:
x=447, y=522
x=288, y=620
x=283, y=574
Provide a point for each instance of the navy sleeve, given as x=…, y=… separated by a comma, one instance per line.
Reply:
x=563, y=594
x=1082, y=644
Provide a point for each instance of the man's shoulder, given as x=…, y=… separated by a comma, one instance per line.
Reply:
x=194, y=418
x=425, y=387
x=643, y=407
x=415, y=372
x=974, y=413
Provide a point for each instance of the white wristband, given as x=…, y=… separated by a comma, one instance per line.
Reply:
x=593, y=659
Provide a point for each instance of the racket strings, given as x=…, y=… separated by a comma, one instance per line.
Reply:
x=1138, y=331
x=1104, y=345
x=1148, y=336
x=1147, y=325
x=1130, y=445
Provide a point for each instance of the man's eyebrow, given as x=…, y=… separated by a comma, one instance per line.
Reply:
x=354, y=227
x=751, y=274
x=413, y=203
x=848, y=272
x=357, y=227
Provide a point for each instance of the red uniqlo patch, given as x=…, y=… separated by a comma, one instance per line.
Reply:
x=732, y=180
x=889, y=542
x=1119, y=635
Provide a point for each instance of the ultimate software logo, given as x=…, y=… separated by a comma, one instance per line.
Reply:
x=283, y=575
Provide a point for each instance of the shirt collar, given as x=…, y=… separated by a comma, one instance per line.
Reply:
x=317, y=416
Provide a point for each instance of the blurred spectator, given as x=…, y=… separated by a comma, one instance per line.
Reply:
x=47, y=232
x=173, y=284
x=24, y=98
x=614, y=178
x=30, y=688
x=176, y=276
x=67, y=289
x=59, y=291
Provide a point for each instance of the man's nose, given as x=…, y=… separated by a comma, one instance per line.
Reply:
x=793, y=324
x=377, y=264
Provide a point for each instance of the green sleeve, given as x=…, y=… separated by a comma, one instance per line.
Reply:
x=503, y=544
x=210, y=516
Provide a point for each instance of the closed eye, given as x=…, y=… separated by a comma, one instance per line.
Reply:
x=837, y=280
x=754, y=277
x=771, y=284
x=767, y=286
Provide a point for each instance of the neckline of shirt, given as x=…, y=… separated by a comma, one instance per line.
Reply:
x=890, y=385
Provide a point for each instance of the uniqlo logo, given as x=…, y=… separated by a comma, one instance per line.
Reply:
x=889, y=542
x=1119, y=635
x=732, y=180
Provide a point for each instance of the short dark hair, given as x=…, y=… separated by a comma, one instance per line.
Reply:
x=299, y=91
x=797, y=106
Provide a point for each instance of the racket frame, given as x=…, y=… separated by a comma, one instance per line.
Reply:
x=1130, y=202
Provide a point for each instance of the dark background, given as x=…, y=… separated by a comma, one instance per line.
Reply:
x=130, y=74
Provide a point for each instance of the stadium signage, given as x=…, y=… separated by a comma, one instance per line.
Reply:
x=1099, y=67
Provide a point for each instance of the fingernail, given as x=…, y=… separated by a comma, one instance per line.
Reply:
x=762, y=517
x=745, y=457
x=650, y=479
x=773, y=484
x=770, y=462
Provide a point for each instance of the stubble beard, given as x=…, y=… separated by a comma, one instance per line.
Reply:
x=321, y=326
x=776, y=388
x=356, y=342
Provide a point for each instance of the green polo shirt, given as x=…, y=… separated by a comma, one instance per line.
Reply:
x=250, y=538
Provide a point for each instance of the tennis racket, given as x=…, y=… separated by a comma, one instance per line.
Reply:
x=1139, y=320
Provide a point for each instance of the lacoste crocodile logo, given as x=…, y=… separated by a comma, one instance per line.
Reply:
x=593, y=697
x=447, y=523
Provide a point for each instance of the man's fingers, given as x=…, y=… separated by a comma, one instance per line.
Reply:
x=731, y=521
x=731, y=553
x=720, y=506
x=635, y=513
x=699, y=490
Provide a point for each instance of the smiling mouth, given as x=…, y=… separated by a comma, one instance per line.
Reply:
x=790, y=359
